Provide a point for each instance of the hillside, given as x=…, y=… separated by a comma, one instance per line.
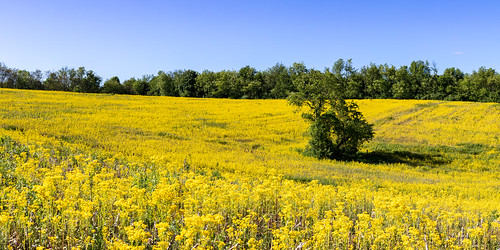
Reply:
x=185, y=172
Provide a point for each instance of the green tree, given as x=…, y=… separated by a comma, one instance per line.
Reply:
x=76, y=79
x=402, y=87
x=344, y=79
x=254, y=88
x=59, y=80
x=164, y=82
x=7, y=76
x=245, y=85
x=67, y=79
x=389, y=77
x=225, y=82
x=206, y=84
x=279, y=81
x=141, y=86
x=337, y=129
x=185, y=82
x=128, y=86
x=155, y=85
x=423, y=80
x=113, y=86
x=348, y=82
x=446, y=85
x=482, y=85
x=90, y=82
x=27, y=80
x=377, y=80
x=37, y=79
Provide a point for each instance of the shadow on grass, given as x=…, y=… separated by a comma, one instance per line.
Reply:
x=402, y=157
x=420, y=160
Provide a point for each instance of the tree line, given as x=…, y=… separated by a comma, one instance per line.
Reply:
x=65, y=79
x=419, y=80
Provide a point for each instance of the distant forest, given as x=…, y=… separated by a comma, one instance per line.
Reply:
x=419, y=80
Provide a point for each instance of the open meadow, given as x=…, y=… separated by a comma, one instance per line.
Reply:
x=117, y=171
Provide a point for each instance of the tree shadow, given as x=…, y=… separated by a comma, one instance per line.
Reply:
x=402, y=157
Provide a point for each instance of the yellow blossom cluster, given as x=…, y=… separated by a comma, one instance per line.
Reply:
x=133, y=172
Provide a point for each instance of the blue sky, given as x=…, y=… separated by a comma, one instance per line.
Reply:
x=134, y=38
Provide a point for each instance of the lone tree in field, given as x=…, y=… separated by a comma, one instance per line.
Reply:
x=337, y=129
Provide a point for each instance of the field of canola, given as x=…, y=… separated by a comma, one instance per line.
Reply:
x=132, y=172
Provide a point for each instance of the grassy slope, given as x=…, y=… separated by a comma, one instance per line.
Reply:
x=255, y=135
x=444, y=151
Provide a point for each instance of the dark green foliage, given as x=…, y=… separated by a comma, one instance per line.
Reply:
x=278, y=81
x=113, y=86
x=483, y=85
x=185, y=83
x=350, y=129
x=321, y=144
x=7, y=76
x=245, y=86
x=206, y=84
x=337, y=129
x=20, y=79
x=226, y=84
x=79, y=80
x=402, y=87
x=162, y=84
x=221, y=84
x=346, y=81
x=419, y=80
x=255, y=88
x=90, y=83
x=59, y=80
x=140, y=86
x=339, y=132
x=165, y=84
x=447, y=84
x=128, y=86
x=29, y=80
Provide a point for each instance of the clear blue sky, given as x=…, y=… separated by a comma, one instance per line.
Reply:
x=133, y=38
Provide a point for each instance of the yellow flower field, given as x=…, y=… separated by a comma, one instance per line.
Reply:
x=98, y=171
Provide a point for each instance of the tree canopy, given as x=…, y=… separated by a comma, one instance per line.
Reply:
x=419, y=80
x=337, y=128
